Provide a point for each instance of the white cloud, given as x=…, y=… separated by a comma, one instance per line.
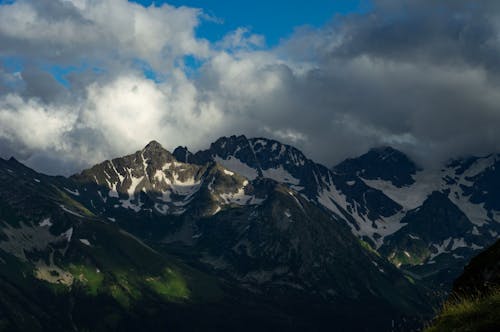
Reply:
x=34, y=125
x=352, y=84
x=241, y=38
x=108, y=30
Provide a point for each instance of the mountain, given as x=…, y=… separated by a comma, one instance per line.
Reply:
x=474, y=304
x=368, y=245
x=445, y=217
x=386, y=199
x=254, y=222
x=376, y=195
x=146, y=241
x=62, y=268
x=383, y=163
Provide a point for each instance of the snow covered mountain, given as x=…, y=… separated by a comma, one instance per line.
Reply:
x=372, y=235
x=446, y=215
x=429, y=222
x=259, y=239
x=247, y=207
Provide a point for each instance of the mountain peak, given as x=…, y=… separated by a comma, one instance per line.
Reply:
x=384, y=163
x=12, y=159
x=233, y=140
x=386, y=151
x=153, y=145
x=182, y=154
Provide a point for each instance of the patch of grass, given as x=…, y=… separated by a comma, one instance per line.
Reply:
x=368, y=247
x=170, y=285
x=469, y=314
x=89, y=276
x=69, y=202
x=416, y=256
x=410, y=279
x=120, y=295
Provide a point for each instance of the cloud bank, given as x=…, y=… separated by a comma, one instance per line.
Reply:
x=85, y=80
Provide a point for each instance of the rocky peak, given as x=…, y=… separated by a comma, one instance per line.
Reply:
x=182, y=154
x=155, y=155
x=384, y=163
x=153, y=145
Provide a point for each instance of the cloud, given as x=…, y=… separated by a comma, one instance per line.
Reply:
x=241, y=38
x=419, y=75
x=72, y=31
x=33, y=125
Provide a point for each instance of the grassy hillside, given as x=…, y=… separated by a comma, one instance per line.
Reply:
x=474, y=305
x=469, y=314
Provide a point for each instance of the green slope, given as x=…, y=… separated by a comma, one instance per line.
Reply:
x=474, y=305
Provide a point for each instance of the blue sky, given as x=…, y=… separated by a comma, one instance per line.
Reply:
x=272, y=19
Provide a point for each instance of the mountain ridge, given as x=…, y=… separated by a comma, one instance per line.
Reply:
x=241, y=211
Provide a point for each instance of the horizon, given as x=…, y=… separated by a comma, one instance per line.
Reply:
x=428, y=167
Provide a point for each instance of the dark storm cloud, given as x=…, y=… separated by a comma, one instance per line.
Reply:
x=421, y=75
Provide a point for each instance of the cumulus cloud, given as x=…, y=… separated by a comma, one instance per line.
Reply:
x=72, y=31
x=419, y=75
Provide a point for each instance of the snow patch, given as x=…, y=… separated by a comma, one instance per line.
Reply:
x=238, y=167
x=240, y=197
x=217, y=210
x=280, y=175
x=45, y=223
x=68, y=234
x=161, y=208
x=127, y=203
x=70, y=211
x=409, y=197
x=333, y=200
x=72, y=192
x=85, y=242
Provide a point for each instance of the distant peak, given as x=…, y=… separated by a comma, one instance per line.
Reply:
x=385, y=149
x=389, y=153
x=232, y=138
x=181, y=149
x=182, y=154
x=153, y=145
x=154, y=151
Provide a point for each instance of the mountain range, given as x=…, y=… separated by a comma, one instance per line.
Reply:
x=248, y=234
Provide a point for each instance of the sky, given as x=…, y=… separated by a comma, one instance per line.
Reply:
x=274, y=20
x=82, y=81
